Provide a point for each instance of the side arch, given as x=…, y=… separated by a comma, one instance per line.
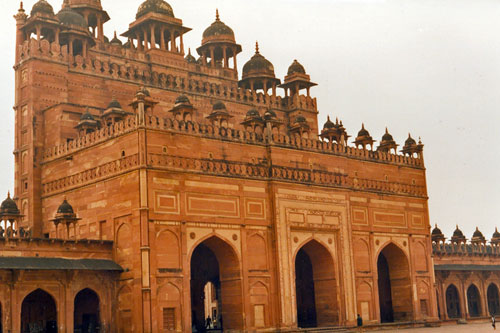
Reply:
x=474, y=301
x=493, y=299
x=453, y=302
x=39, y=311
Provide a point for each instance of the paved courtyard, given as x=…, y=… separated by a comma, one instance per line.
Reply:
x=469, y=328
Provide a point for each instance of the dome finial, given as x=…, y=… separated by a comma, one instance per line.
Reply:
x=362, y=125
x=217, y=15
x=256, y=47
x=115, y=34
x=21, y=6
x=8, y=194
x=386, y=130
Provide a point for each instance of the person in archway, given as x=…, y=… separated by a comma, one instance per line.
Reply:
x=208, y=323
x=359, y=321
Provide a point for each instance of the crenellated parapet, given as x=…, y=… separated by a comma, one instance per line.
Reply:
x=459, y=246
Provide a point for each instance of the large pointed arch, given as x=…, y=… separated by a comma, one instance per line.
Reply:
x=87, y=316
x=315, y=286
x=215, y=260
x=39, y=311
x=453, y=302
x=394, y=284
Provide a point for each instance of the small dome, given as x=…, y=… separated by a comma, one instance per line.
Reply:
x=9, y=206
x=258, y=66
x=296, y=67
x=387, y=137
x=182, y=99
x=154, y=6
x=65, y=208
x=300, y=119
x=478, y=234
x=116, y=41
x=87, y=116
x=496, y=234
x=68, y=16
x=253, y=113
x=144, y=91
x=328, y=124
x=218, y=28
x=436, y=231
x=270, y=114
x=410, y=141
x=189, y=58
x=114, y=104
x=42, y=6
x=458, y=233
x=218, y=106
x=363, y=132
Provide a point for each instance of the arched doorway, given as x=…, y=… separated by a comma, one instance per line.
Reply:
x=473, y=301
x=39, y=313
x=493, y=300
x=394, y=286
x=86, y=312
x=215, y=267
x=316, y=287
x=453, y=302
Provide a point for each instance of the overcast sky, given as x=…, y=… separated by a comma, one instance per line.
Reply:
x=431, y=68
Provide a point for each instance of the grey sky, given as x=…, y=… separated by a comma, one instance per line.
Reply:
x=431, y=68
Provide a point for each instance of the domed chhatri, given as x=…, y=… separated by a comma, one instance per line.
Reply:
x=496, y=234
x=364, y=138
x=65, y=208
x=114, y=104
x=218, y=106
x=87, y=116
x=189, y=58
x=218, y=30
x=328, y=124
x=43, y=7
x=115, y=40
x=477, y=237
x=9, y=207
x=258, y=66
x=437, y=235
x=411, y=147
x=296, y=67
x=387, y=144
x=182, y=99
x=69, y=17
x=154, y=6
x=458, y=236
x=258, y=73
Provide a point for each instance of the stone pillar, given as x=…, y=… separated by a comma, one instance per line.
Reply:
x=153, y=37
x=224, y=55
x=212, y=56
x=182, y=44
x=70, y=46
x=234, y=59
x=146, y=39
x=100, y=33
x=162, y=37
x=38, y=32
x=172, y=41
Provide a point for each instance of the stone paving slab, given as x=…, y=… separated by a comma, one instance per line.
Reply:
x=468, y=328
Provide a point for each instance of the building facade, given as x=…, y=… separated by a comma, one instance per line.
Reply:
x=164, y=186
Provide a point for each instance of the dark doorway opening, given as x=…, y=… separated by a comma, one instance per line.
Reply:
x=453, y=302
x=493, y=300
x=316, y=287
x=394, y=285
x=86, y=312
x=474, y=301
x=39, y=313
x=304, y=284
x=384, y=291
x=215, y=287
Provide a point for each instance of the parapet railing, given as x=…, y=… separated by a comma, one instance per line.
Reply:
x=140, y=72
x=465, y=249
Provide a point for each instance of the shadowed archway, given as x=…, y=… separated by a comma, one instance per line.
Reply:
x=394, y=285
x=86, y=312
x=215, y=261
x=453, y=302
x=39, y=313
x=493, y=300
x=316, y=287
x=473, y=301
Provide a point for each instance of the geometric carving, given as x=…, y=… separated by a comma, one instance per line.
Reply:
x=212, y=205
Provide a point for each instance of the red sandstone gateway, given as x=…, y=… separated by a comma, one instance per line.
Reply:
x=154, y=192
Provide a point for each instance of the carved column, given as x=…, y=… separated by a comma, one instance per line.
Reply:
x=162, y=37
x=153, y=37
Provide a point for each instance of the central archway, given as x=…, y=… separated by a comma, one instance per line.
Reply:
x=453, y=302
x=316, y=287
x=394, y=285
x=214, y=261
x=39, y=313
x=86, y=312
